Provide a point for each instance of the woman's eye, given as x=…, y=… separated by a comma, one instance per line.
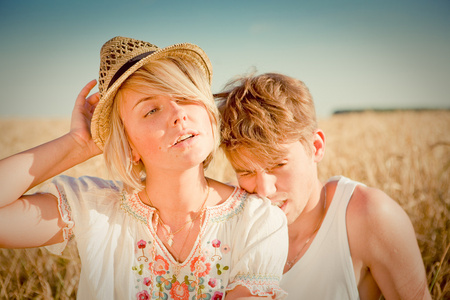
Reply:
x=152, y=111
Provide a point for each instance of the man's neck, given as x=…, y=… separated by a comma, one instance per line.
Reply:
x=312, y=214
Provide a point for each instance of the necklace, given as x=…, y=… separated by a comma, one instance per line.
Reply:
x=291, y=262
x=167, y=231
x=171, y=234
x=178, y=257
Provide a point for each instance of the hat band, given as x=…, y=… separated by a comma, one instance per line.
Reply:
x=128, y=65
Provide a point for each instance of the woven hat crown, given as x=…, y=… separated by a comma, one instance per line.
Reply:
x=115, y=53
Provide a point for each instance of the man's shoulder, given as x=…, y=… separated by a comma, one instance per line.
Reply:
x=370, y=202
x=371, y=207
x=374, y=220
x=381, y=237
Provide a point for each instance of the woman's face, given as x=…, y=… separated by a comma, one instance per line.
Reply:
x=164, y=132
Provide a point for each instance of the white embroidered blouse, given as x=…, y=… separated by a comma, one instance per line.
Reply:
x=243, y=241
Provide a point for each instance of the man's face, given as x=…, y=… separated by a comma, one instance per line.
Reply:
x=288, y=183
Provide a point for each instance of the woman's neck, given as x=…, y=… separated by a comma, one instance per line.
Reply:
x=176, y=194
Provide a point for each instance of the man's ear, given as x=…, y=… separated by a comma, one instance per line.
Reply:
x=319, y=145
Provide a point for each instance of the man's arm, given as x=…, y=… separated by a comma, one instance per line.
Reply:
x=382, y=237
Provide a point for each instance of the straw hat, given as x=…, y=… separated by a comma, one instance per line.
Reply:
x=119, y=58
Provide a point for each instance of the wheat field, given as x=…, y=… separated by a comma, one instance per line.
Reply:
x=404, y=153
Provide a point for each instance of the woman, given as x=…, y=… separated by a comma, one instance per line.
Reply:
x=162, y=230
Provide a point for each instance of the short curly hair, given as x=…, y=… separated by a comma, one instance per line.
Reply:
x=261, y=113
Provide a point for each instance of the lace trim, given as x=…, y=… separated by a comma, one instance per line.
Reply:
x=134, y=206
x=259, y=285
x=66, y=215
x=230, y=208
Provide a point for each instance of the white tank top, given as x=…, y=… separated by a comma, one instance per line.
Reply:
x=326, y=270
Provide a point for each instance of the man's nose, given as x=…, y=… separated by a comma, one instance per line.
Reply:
x=265, y=184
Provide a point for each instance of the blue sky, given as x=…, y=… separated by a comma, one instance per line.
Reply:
x=351, y=54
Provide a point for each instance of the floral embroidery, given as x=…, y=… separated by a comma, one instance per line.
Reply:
x=225, y=249
x=141, y=245
x=179, y=291
x=213, y=282
x=168, y=285
x=200, y=289
x=200, y=276
x=217, y=296
x=207, y=252
x=160, y=265
x=144, y=295
x=216, y=243
x=139, y=269
x=163, y=283
x=198, y=263
x=160, y=295
x=148, y=281
x=221, y=269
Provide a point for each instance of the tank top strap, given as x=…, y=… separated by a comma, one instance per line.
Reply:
x=344, y=190
x=342, y=194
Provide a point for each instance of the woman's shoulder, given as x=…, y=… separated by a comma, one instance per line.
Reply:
x=219, y=192
x=88, y=183
x=226, y=201
x=86, y=188
x=237, y=202
x=262, y=207
x=224, y=193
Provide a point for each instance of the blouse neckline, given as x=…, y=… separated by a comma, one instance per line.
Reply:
x=132, y=204
x=144, y=213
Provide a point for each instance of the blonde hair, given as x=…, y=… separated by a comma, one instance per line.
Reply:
x=260, y=113
x=170, y=76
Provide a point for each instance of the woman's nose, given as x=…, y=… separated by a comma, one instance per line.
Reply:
x=179, y=114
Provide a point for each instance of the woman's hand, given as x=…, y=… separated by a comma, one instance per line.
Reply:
x=22, y=171
x=80, y=127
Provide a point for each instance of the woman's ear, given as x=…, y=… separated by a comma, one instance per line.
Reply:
x=135, y=157
x=319, y=145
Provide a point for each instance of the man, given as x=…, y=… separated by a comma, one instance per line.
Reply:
x=347, y=240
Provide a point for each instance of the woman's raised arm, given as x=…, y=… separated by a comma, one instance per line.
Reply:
x=33, y=220
x=22, y=171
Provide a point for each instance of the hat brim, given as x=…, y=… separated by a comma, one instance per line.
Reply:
x=101, y=118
